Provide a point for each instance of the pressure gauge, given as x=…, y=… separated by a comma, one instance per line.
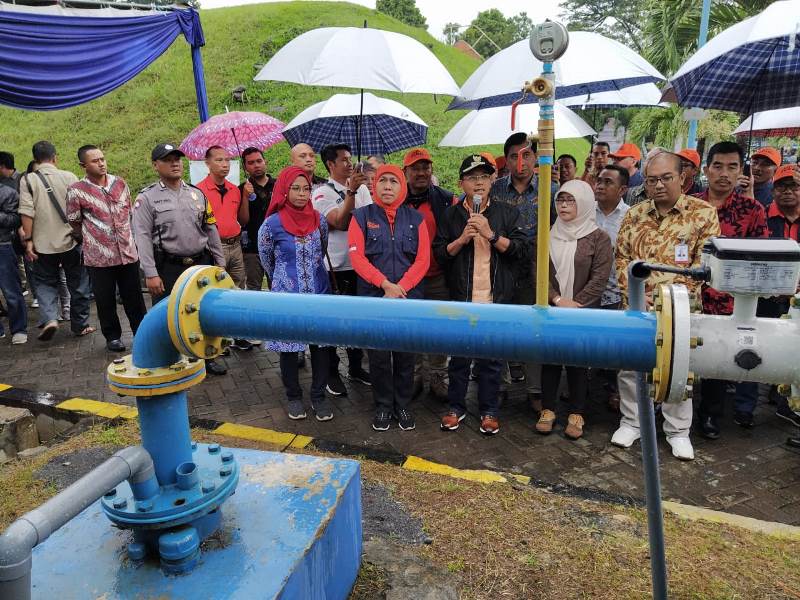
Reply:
x=549, y=40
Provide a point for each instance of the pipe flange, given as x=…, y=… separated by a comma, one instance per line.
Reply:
x=670, y=376
x=183, y=311
x=129, y=380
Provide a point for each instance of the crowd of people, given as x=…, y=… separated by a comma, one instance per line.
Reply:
x=381, y=230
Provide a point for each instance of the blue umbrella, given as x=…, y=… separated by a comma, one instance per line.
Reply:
x=386, y=126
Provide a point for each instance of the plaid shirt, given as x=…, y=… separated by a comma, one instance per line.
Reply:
x=526, y=202
x=647, y=235
x=739, y=217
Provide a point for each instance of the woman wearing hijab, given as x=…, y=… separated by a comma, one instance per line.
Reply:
x=291, y=244
x=580, y=263
x=390, y=252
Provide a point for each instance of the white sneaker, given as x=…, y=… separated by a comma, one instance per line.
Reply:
x=681, y=447
x=35, y=303
x=19, y=338
x=625, y=436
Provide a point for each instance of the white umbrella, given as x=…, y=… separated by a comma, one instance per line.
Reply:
x=493, y=125
x=772, y=123
x=646, y=94
x=361, y=58
x=750, y=67
x=592, y=63
x=387, y=126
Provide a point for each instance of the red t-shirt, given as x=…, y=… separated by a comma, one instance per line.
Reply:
x=225, y=207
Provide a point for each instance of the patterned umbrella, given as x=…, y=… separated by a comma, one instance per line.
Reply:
x=234, y=131
x=386, y=125
x=772, y=123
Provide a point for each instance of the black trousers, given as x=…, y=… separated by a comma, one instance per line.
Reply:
x=346, y=282
x=105, y=281
x=577, y=382
x=319, y=374
x=170, y=271
x=392, y=377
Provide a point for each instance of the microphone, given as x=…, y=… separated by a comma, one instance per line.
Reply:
x=476, y=204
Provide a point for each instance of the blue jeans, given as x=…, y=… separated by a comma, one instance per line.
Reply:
x=488, y=372
x=45, y=271
x=11, y=286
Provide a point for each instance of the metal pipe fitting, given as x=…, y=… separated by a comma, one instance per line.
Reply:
x=152, y=345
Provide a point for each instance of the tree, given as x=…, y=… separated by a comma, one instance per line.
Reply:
x=489, y=32
x=620, y=20
x=402, y=10
x=451, y=34
x=521, y=26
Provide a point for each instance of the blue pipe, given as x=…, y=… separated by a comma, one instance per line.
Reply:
x=581, y=337
x=152, y=346
x=164, y=425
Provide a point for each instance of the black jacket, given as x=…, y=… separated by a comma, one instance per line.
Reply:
x=440, y=200
x=504, y=220
x=9, y=217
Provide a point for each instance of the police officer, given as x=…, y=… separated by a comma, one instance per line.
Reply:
x=174, y=228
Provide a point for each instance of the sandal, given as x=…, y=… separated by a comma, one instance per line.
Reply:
x=86, y=331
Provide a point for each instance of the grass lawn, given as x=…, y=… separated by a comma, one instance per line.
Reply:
x=514, y=541
x=159, y=104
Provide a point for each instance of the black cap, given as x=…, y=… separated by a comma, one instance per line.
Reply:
x=472, y=162
x=164, y=150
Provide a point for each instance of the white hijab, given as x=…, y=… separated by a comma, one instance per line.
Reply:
x=564, y=235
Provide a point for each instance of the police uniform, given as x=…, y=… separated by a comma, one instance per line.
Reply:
x=174, y=230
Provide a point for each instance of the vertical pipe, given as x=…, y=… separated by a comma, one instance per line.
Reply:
x=691, y=142
x=546, y=151
x=652, y=480
x=164, y=424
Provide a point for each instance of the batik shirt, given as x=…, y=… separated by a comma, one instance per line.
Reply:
x=739, y=217
x=676, y=239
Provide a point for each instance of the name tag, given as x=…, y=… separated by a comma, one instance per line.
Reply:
x=682, y=254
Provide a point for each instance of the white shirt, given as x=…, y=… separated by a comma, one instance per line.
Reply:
x=326, y=198
x=610, y=223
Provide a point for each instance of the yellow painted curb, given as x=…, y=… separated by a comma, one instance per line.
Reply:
x=696, y=513
x=260, y=434
x=108, y=410
x=4, y=386
x=415, y=463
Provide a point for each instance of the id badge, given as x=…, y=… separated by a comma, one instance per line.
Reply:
x=682, y=254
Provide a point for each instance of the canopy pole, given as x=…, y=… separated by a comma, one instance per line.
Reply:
x=359, y=125
x=691, y=141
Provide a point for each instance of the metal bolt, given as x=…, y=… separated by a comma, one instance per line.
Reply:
x=120, y=503
x=227, y=456
x=659, y=340
x=190, y=308
x=213, y=448
x=690, y=378
x=195, y=337
x=659, y=304
x=221, y=275
x=145, y=372
x=120, y=370
x=699, y=341
x=176, y=367
x=119, y=361
x=203, y=282
x=693, y=343
x=795, y=301
x=208, y=486
x=144, y=505
x=210, y=350
x=225, y=471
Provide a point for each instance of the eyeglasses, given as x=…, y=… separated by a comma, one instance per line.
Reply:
x=477, y=178
x=305, y=189
x=565, y=201
x=784, y=186
x=665, y=179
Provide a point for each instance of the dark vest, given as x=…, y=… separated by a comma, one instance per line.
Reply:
x=391, y=253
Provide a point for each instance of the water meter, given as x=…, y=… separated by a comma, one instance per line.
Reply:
x=549, y=41
x=763, y=267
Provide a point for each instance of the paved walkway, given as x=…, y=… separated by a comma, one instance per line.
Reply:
x=748, y=472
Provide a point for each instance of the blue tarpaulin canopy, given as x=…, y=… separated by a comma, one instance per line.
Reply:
x=56, y=57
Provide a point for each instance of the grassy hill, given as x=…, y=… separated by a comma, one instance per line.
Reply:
x=159, y=104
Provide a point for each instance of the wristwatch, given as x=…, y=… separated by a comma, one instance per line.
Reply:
x=494, y=238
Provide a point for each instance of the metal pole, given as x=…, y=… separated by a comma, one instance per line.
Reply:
x=691, y=142
x=545, y=150
x=647, y=429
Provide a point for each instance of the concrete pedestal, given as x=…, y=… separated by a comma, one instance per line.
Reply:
x=291, y=531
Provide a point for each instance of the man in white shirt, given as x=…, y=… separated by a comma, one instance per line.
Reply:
x=335, y=200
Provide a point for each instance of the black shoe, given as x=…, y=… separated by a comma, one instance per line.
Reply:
x=743, y=419
x=301, y=360
x=115, y=346
x=335, y=385
x=516, y=372
x=296, y=410
x=322, y=409
x=360, y=375
x=215, y=368
x=793, y=442
x=405, y=418
x=242, y=344
x=709, y=428
x=787, y=414
x=381, y=421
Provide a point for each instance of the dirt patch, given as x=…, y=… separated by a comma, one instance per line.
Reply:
x=382, y=516
x=64, y=469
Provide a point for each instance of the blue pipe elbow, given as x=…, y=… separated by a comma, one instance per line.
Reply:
x=152, y=345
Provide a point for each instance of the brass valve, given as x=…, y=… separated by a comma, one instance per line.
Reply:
x=541, y=87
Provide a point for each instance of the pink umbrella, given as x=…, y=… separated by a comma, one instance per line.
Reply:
x=234, y=131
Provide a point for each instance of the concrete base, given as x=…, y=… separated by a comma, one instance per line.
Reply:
x=291, y=531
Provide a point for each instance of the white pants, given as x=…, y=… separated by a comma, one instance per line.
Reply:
x=677, y=416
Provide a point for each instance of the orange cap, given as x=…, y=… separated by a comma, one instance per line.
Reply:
x=783, y=172
x=628, y=150
x=490, y=157
x=415, y=155
x=691, y=155
x=771, y=154
x=500, y=162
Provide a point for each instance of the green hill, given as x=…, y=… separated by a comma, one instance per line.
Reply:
x=159, y=104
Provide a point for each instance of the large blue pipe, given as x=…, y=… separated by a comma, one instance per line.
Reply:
x=164, y=425
x=152, y=346
x=582, y=337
